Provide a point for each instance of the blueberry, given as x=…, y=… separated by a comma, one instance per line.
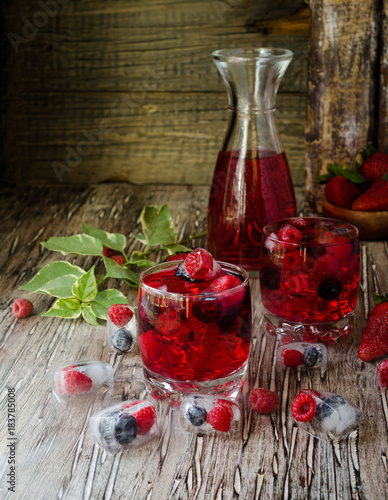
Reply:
x=312, y=356
x=182, y=273
x=122, y=340
x=197, y=415
x=329, y=289
x=270, y=278
x=328, y=406
x=126, y=429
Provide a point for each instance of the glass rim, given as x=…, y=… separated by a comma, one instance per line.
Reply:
x=195, y=296
x=307, y=244
x=254, y=53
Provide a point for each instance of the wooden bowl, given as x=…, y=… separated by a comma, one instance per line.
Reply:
x=373, y=226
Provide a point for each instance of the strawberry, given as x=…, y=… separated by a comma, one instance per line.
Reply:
x=375, y=198
x=372, y=168
x=341, y=192
x=374, y=343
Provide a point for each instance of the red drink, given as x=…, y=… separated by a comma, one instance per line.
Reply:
x=246, y=194
x=191, y=340
x=309, y=277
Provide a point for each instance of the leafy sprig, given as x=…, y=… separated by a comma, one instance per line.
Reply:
x=78, y=292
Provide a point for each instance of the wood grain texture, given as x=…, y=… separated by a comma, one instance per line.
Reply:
x=382, y=27
x=147, y=66
x=267, y=458
x=342, y=85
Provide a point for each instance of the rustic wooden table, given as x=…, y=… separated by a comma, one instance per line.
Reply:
x=267, y=458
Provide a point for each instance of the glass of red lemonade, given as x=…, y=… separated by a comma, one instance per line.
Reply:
x=194, y=333
x=309, y=277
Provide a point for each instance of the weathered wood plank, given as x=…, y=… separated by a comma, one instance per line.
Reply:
x=166, y=138
x=341, y=92
x=382, y=112
x=267, y=458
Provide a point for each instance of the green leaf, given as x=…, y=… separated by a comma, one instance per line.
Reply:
x=88, y=315
x=157, y=225
x=85, y=288
x=116, y=241
x=104, y=300
x=55, y=279
x=379, y=299
x=79, y=244
x=114, y=270
x=351, y=175
x=322, y=179
x=368, y=151
x=140, y=237
x=176, y=248
x=140, y=260
x=65, y=308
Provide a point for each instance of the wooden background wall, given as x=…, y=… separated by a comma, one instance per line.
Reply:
x=141, y=73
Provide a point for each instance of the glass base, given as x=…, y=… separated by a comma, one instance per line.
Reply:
x=307, y=332
x=175, y=390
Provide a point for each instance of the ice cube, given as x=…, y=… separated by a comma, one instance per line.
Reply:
x=125, y=425
x=82, y=378
x=122, y=337
x=304, y=354
x=205, y=414
x=334, y=418
x=382, y=376
x=198, y=265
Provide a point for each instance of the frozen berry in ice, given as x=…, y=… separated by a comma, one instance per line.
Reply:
x=145, y=419
x=122, y=340
x=292, y=358
x=312, y=356
x=75, y=382
x=120, y=314
x=126, y=429
x=304, y=407
x=198, y=265
x=106, y=428
x=220, y=417
x=328, y=406
x=289, y=234
x=225, y=282
x=329, y=289
x=196, y=414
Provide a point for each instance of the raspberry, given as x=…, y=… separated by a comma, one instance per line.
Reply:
x=289, y=234
x=292, y=358
x=304, y=407
x=120, y=314
x=108, y=252
x=145, y=419
x=264, y=401
x=382, y=372
x=120, y=259
x=220, y=417
x=75, y=382
x=199, y=264
x=225, y=282
x=177, y=256
x=22, y=308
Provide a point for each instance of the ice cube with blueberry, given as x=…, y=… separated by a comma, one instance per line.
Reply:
x=382, y=376
x=121, y=328
x=205, y=414
x=325, y=415
x=82, y=378
x=303, y=354
x=199, y=265
x=125, y=425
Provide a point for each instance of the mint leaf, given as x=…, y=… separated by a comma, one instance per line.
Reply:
x=65, y=308
x=85, y=288
x=104, y=300
x=176, y=248
x=55, y=279
x=157, y=225
x=88, y=315
x=116, y=241
x=114, y=270
x=79, y=244
x=140, y=260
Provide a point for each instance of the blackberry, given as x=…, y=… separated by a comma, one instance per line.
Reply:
x=329, y=289
x=197, y=415
x=122, y=340
x=126, y=429
x=312, y=356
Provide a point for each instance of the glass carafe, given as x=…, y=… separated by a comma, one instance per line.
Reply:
x=252, y=183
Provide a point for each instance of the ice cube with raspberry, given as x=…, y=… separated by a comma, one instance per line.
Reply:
x=382, y=377
x=199, y=265
x=121, y=328
x=206, y=414
x=325, y=415
x=301, y=354
x=125, y=425
x=82, y=378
